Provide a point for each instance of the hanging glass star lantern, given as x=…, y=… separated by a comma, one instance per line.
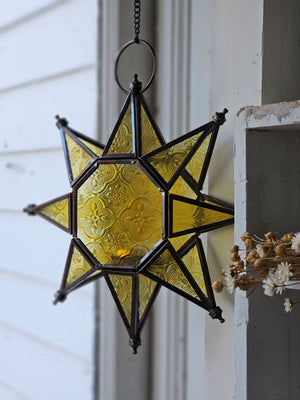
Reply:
x=136, y=210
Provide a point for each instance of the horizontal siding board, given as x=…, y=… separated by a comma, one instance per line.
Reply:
x=16, y=11
x=36, y=250
x=56, y=41
x=8, y=392
x=32, y=315
x=33, y=370
x=32, y=177
x=48, y=67
x=27, y=115
x=33, y=248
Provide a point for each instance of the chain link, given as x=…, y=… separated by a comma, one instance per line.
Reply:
x=136, y=40
x=137, y=20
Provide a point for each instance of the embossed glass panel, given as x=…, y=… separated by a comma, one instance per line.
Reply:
x=167, y=161
x=78, y=267
x=119, y=214
x=167, y=269
x=179, y=241
x=149, y=137
x=58, y=212
x=146, y=289
x=191, y=216
x=122, y=141
x=181, y=188
x=192, y=262
x=78, y=157
x=93, y=275
x=123, y=287
x=95, y=149
x=194, y=167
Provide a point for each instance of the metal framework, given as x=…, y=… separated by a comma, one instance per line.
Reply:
x=203, y=206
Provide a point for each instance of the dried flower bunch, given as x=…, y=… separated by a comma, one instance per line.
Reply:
x=271, y=262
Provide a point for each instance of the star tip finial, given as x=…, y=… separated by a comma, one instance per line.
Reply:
x=219, y=117
x=136, y=85
x=30, y=209
x=61, y=121
x=216, y=313
x=59, y=297
x=135, y=343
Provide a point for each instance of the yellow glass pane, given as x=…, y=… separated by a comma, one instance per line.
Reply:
x=179, y=241
x=146, y=288
x=194, y=167
x=211, y=202
x=78, y=267
x=119, y=214
x=122, y=142
x=149, y=138
x=167, y=161
x=123, y=288
x=166, y=268
x=95, y=149
x=181, y=188
x=192, y=262
x=93, y=275
x=190, y=216
x=79, y=159
x=217, y=203
x=58, y=212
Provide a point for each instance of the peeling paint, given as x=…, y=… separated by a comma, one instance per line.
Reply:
x=240, y=111
x=279, y=110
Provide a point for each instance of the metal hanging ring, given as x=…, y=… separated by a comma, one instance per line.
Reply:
x=126, y=45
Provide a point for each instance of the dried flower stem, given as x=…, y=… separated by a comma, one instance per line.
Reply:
x=271, y=262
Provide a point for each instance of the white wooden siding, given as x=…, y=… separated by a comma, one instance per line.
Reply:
x=48, y=66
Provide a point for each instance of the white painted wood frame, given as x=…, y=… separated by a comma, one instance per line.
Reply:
x=182, y=104
x=267, y=191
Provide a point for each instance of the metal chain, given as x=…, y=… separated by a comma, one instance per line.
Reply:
x=137, y=20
